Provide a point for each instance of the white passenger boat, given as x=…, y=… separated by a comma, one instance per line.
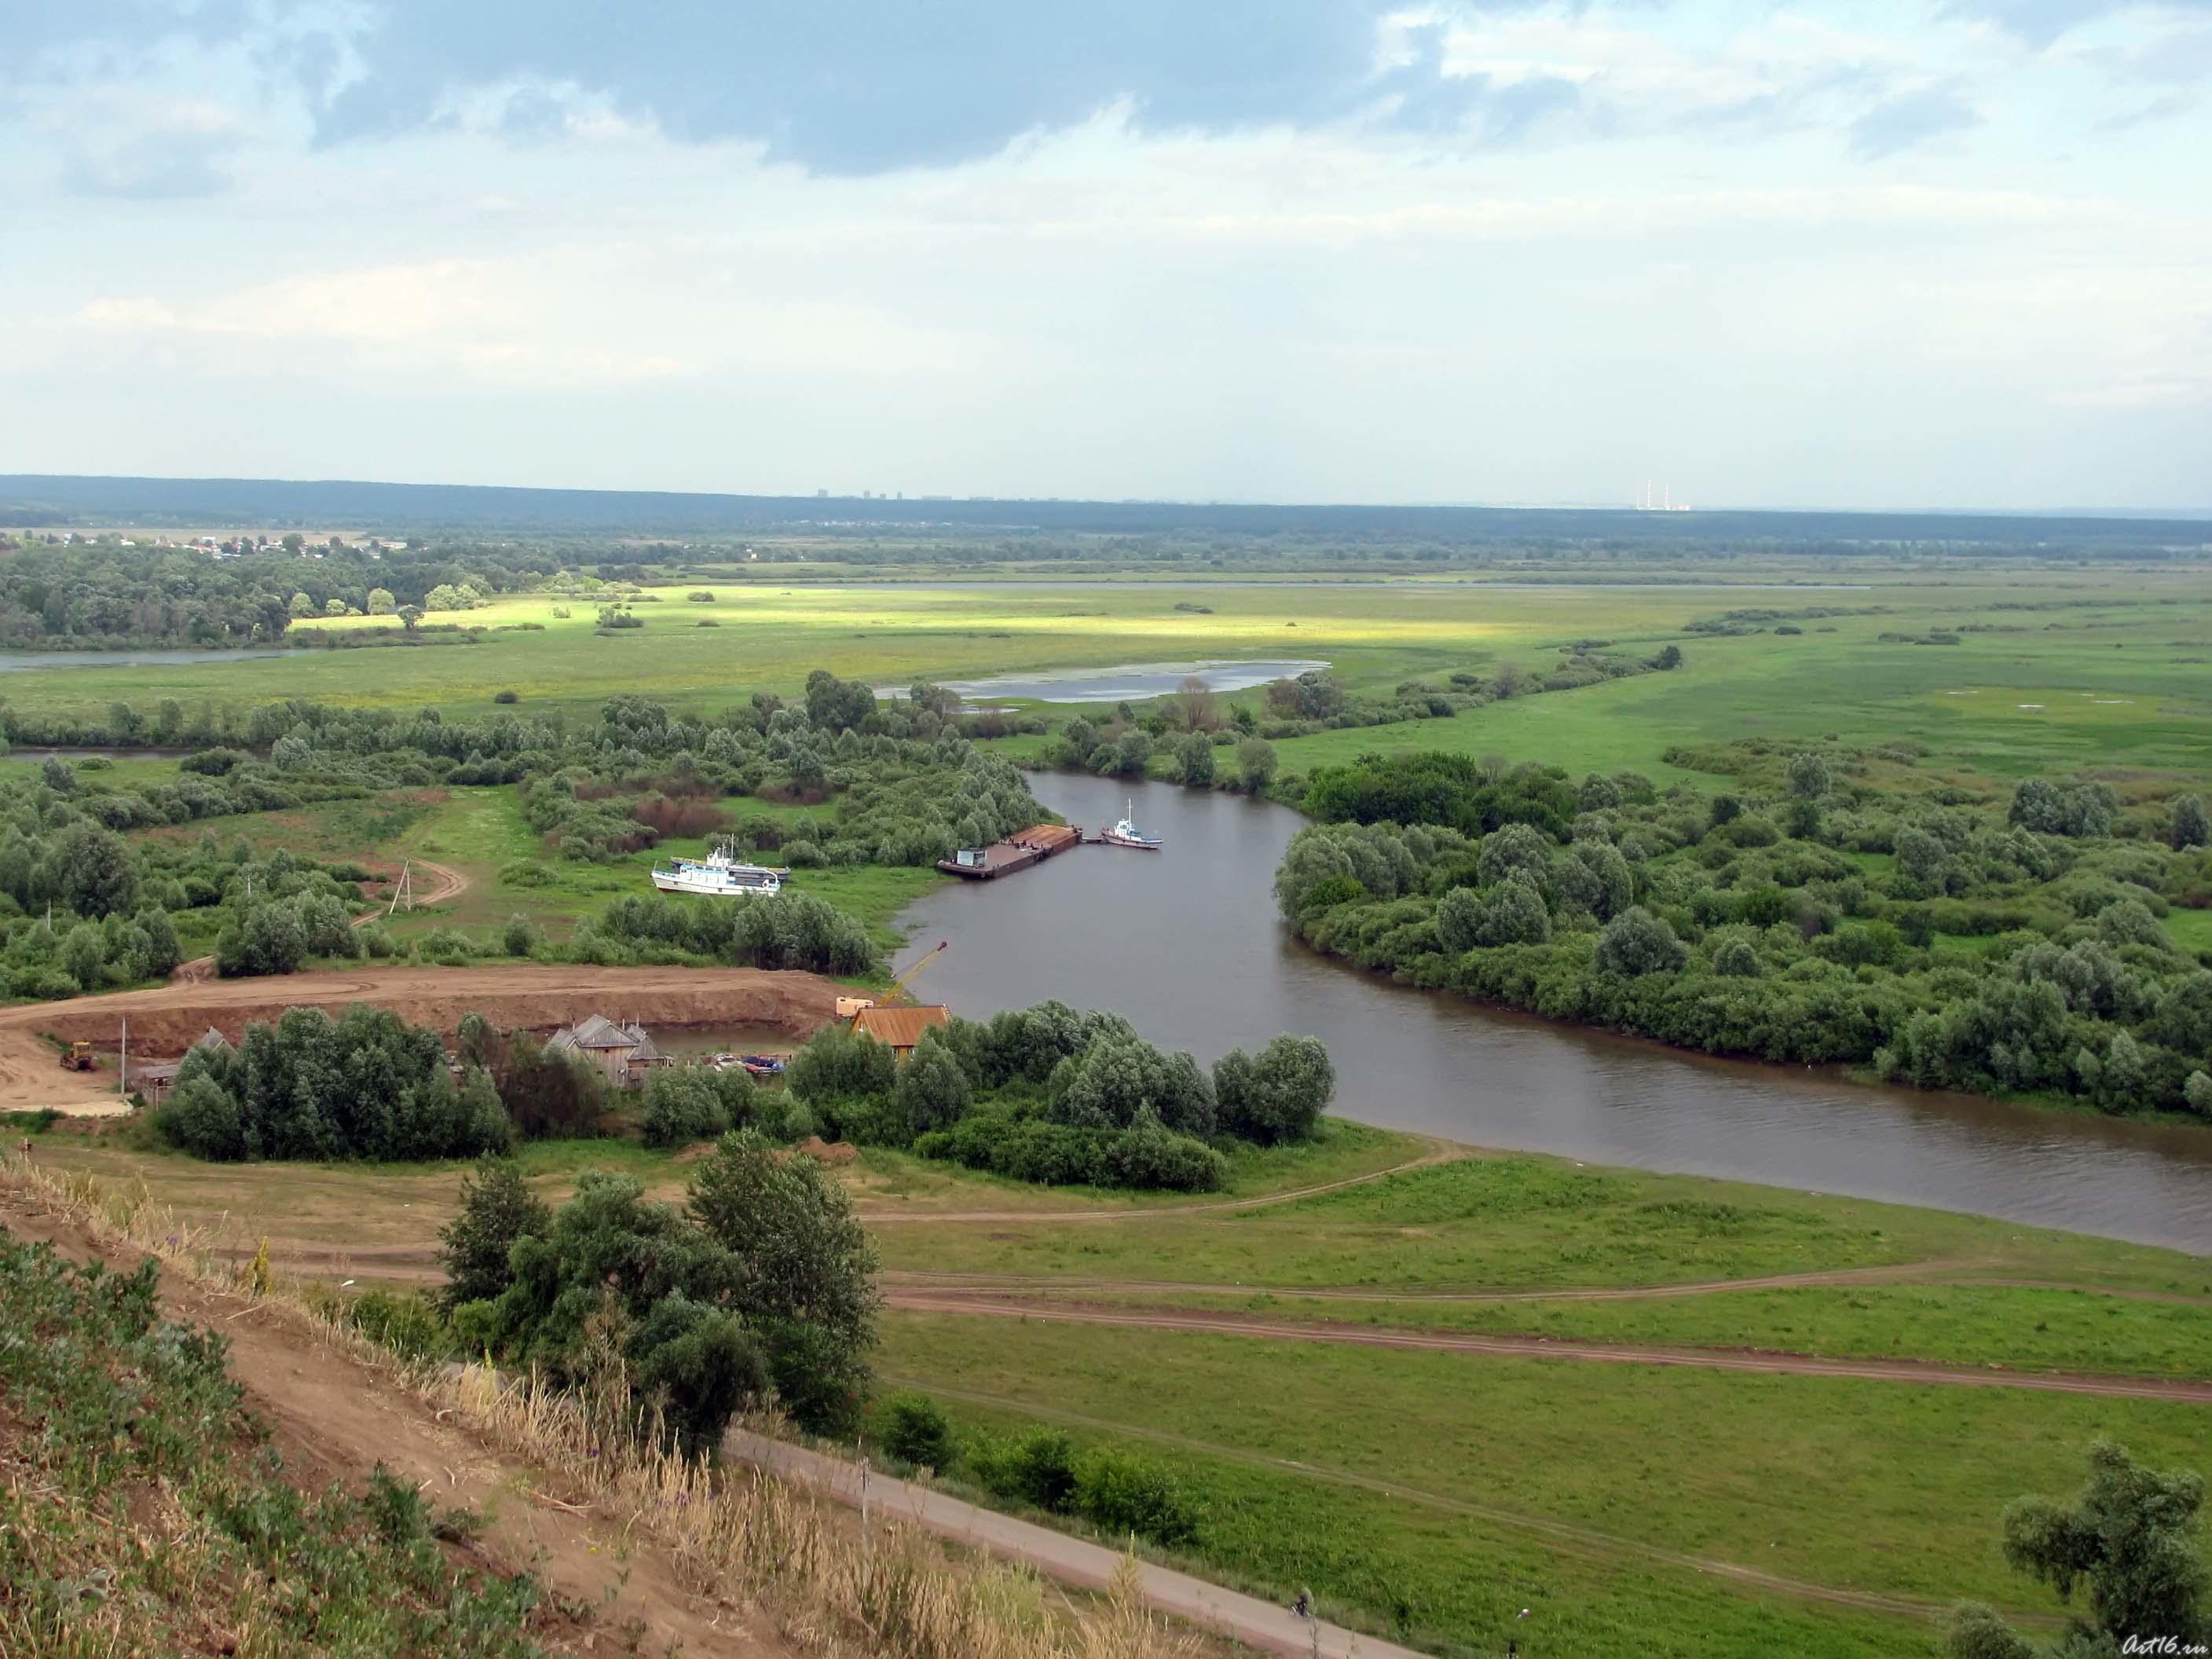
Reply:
x=718, y=875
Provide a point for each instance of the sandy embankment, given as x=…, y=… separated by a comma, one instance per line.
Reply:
x=536, y=996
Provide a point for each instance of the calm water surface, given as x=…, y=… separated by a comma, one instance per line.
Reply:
x=1186, y=942
x=1132, y=680
x=17, y=662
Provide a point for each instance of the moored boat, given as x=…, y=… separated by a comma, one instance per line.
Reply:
x=1125, y=833
x=718, y=875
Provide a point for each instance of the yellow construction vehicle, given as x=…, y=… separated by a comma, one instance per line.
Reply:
x=848, y=1006
x=77, y=1057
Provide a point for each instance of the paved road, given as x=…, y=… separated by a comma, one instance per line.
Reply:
x=1257, y=1624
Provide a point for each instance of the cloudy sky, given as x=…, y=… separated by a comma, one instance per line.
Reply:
x=1954, y=253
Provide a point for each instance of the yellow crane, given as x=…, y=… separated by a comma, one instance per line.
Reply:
x=848, y=1006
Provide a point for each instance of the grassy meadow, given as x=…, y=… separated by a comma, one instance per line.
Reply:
x=1629, y=1506
x=1671, y=1510
x=2054, y=669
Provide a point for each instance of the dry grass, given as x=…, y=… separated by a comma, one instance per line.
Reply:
x=893, y=1591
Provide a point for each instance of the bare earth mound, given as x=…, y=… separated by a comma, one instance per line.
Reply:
x=538, y=996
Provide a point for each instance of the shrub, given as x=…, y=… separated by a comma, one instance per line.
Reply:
x=915, y=1431
x=1038, y=1470
x=506, y=697
x=682, y=1105
x=1122, y=1494
x=520, y=938
x=496, y=1208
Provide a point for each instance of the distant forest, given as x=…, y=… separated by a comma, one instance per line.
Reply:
x=389, y=509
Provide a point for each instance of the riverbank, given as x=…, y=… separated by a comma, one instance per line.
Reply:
x=1188, y=946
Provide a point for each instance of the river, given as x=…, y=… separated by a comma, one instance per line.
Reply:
x=1187, y=944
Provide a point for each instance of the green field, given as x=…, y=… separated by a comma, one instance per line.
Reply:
x=2109, y=680
x=1440, y=1492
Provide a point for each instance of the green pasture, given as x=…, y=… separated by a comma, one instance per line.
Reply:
x=1379, y=1477
x=2049, y=673
x=1890, y=1487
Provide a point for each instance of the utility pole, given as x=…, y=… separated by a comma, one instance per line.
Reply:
x=123, y=1066
x=403, y=887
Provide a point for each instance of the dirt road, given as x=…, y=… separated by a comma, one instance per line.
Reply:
x=1246, y=1618
x=445, y=884
x=540, y=996
x=1440, y=1151
x=1535, y=1347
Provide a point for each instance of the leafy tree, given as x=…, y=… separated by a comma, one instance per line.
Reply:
x=1514, y=913
x=2189, y=828
x=92, y=871
x=1082, y=739
x=933, y=1090
x=1193, y=756
x=496, y=1208
x=1256, y=762
x=839, y=1063
x=1735, y=958
x=695, y=1366
x=803, y=1272
x=1808, y=775
x=1669, y=657
x=302, y=605
x=1119, y=1078
x=2130, y=1537
x=682, y=1105
x=382, y=603
x=84, y=955
x=1279, y=1095
x=1636, y=942
x=1515, y=847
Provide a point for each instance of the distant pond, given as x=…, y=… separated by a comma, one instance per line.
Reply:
x=17, y=662
x=1127, y=682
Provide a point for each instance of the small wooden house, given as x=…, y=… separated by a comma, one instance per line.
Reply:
x=898, y=1028
x=624, y=1053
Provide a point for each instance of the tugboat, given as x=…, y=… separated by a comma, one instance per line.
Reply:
x=718, y=875
x=1125, y=833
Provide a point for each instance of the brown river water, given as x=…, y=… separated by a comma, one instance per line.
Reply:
x=1187, y=944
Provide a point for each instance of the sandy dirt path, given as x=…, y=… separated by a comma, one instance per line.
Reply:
x=334, y=1418
x=166, y=1019
x=1533, y=1348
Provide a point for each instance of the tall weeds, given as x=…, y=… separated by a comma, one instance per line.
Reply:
x=892, y=1590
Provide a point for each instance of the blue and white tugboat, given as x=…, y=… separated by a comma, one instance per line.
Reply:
x=1125, y=833
x=718, y=875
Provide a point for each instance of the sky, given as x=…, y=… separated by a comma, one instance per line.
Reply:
x=1861, y=255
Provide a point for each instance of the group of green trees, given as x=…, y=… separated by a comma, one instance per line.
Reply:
x=1812, y=919
x=759, y=1287
x=910, y=791
x=1053, y=1095
x=84, y=906
x=99, y=595
x=364, y=1085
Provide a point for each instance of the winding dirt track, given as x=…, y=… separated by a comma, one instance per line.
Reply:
x=1017, y=1286
x=1440, y=1151
x=446, y=883
x=1531, y=1347
x=166, y=1019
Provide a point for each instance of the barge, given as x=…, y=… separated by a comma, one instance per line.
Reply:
x=1017, y=851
